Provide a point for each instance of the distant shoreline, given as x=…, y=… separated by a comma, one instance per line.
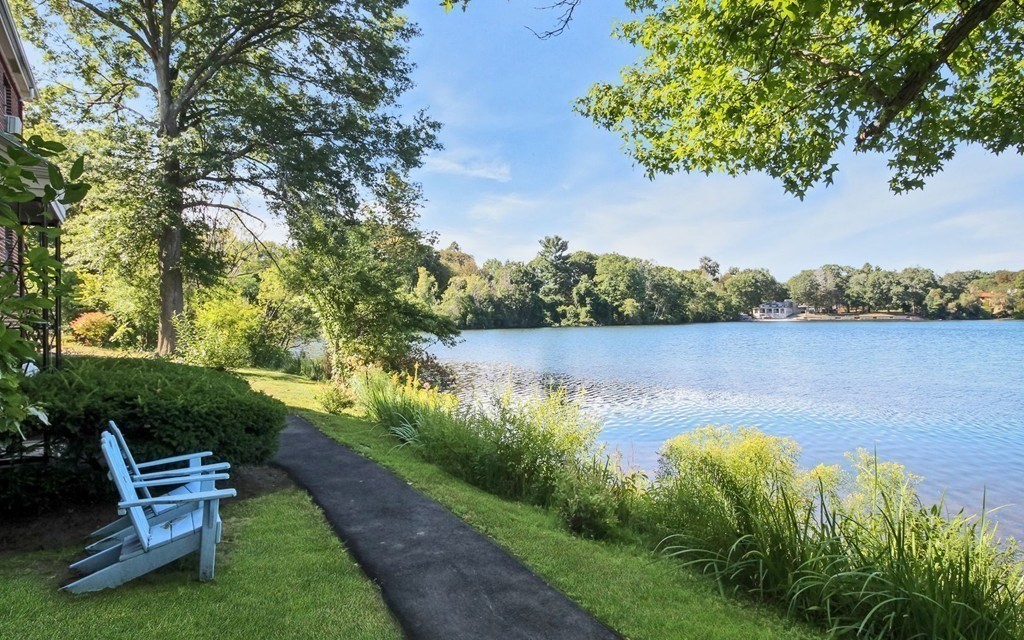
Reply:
x=857, y=317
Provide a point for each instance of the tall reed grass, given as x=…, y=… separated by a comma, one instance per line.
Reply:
x=853, y=549
x=858, y=553
x=518, y=449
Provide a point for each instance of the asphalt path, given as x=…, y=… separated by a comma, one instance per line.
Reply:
x=441, y=579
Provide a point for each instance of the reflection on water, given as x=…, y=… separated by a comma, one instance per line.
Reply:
x=945, y=399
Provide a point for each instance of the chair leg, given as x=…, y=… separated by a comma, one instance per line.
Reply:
x=127, y=569
x=208, y=539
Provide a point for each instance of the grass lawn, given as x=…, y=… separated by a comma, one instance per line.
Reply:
x=635, y=592
x=281, y=573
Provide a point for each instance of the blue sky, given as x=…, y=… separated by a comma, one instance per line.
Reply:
x=519, y=164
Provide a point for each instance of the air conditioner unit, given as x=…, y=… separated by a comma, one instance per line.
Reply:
x=12, y=124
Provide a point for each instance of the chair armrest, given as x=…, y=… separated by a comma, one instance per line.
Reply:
x=184, y=471
x=179, y=480
x=174, y=459
x=191, y=497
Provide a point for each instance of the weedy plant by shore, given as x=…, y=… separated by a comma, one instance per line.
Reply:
x=855, y=551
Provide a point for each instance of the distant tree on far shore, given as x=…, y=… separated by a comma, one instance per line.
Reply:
x=559, y=288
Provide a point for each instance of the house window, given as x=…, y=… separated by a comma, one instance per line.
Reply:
x=6, y=98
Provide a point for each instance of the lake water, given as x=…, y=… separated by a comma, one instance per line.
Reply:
x=946, y=399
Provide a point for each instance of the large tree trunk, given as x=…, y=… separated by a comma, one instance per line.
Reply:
x=172, y=293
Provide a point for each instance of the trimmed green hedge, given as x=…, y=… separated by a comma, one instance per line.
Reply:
x=163, y=408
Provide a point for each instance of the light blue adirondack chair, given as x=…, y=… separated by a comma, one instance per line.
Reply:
x=150, y=546
x=114, y=532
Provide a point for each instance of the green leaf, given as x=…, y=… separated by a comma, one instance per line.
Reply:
x=50, y=145
x=77, y=169
x=74, y=193
x=56, y=179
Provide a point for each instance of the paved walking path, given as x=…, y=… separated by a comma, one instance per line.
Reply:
x=441, y=579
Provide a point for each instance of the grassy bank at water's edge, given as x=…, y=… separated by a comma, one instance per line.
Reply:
x=634, y=591
x=854, y=551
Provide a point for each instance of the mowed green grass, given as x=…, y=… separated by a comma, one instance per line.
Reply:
x=636, y=592
x=281, y=573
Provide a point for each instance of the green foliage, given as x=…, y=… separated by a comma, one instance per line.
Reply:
x=234, y=110
x=747, y=288
x=808, y=289
x=780, y=87
x=707, y=476
x=391, y=403
x=300, y=364
x=596, y=499
x=221, y=334
x=516, y=449
x=862, y=558
x=358, y=274
x=612, y=289
x=335, y=397
x=555, y=273
x=916, y=290
x=585, y=503
x=163, y=409
x=93, y=329
x=24, y=283
x=469, y=301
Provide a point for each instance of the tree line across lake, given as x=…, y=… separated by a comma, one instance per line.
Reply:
x=580, y=288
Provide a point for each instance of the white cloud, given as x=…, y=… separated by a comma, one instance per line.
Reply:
x=967, y=217
x=470, y=164
x=494, y=208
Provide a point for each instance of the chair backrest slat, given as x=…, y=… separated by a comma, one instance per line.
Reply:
x=123, y=482
x=126, y=453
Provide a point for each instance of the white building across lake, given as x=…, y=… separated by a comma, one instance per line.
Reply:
x=775, y=310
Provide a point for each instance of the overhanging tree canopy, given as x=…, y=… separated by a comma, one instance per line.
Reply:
x=780, y=86
x=225, y=103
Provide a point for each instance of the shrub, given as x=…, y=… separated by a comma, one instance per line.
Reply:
x=539, y=440
x=392, y=403
x=598, y=499
x=585, y=500
x=163, y=409
x=94, y=329
x=335, y=397
x=714, y=481
x=221, y=334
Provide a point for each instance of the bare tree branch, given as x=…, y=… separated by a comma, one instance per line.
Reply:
x=568, y=7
